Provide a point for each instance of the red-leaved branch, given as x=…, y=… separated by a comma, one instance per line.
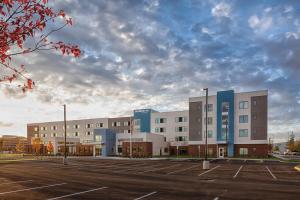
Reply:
x=26, y=21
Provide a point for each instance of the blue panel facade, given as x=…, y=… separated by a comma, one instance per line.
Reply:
x=226, y=96
x=108, y=142
x=144, y=116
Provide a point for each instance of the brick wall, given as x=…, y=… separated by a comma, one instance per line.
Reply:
x=255, y=150
x=193, y=150
x=139, y=149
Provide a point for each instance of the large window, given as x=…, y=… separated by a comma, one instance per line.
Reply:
x=224, y=133
x=99, y=125
x=225, y=107
x=243, y=133
x=127, y=123
x=243, y=105
x=181, y=138
x=89, y=125
x=243, y=151
x=98, y=138
x=209, y=107
x=243, y=119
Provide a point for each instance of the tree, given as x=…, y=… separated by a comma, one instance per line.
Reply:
x=36, y=144
x=23, y=30
x=50, y=147
x=20, y=147
x=291, y=142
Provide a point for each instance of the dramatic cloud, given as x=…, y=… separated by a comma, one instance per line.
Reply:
x=156, y=54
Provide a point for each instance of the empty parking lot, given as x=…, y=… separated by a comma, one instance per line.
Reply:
x=148, y=179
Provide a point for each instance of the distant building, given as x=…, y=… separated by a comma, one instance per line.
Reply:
x=8, y=143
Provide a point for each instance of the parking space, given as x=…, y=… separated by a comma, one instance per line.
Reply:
x=147, y=179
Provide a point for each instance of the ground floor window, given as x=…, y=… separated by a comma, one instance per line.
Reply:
x=243, y=151
x=210, y=152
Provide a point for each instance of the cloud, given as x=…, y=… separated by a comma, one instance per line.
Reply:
x=221, y=10
x=261, y=24
x=3, y=124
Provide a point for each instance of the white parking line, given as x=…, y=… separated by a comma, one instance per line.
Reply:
x=147, y=195
x=209, y=170
x=152, y=170
x=34, y=188
x=16, y=182
x=77, y=193
x=238, y=171
x=274, y=177
x=180, y=170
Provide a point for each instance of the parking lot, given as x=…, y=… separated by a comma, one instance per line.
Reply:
x=148, y=179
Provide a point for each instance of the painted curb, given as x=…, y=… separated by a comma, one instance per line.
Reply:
x=297, y=168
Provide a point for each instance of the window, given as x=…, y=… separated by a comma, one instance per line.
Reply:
x=160, y=120
x=243, y=105
x=98, y=138
x=137, y=122
x=36, y=128
x=99, y=124
x=243, y=151
x=224, y=133
x=118, y=123
x=181, y=138
x=89, y=133
x=209, y=133
x=209, y=120
x=243, y=119
x=210, y=152
x=225, y=107
x=53, y=135
x=76, y=126
x=89, y=125
x=181, y=119
x=209, y=107
x=36, y=135
x=127, y=123
x=181, y=129
x=254, y=102
x=160, y=130
x=76, y=134
x=43, y=128
x=43, y=135
x=243, y=133
x=126, y=131
x=225, y=119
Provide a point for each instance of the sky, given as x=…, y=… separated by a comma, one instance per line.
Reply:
x=156, y=54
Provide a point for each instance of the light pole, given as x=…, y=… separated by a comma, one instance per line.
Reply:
x=226, y=132
x=206, y=162
x=65, y=124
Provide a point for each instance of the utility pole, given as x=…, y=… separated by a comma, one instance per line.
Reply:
x=226, y=130
x=130, y=145
x=65, y=125
x=206, y=162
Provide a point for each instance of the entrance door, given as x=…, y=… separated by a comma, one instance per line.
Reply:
x=98, y=150
x=221, y=152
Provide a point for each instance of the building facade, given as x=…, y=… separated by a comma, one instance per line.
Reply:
x=236, y=124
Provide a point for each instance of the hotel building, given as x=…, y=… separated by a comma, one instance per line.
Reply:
x=237, y=126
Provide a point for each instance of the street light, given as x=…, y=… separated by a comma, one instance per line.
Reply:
x=65, y=124
x=206, y=162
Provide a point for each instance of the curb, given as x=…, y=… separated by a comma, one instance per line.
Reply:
x=297, y=168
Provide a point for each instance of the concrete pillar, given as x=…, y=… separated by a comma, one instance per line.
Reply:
x=94, y=150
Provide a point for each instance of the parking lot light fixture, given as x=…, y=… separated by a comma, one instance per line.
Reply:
x=206, y=162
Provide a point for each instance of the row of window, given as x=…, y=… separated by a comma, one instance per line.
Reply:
x=115, y=124
x=164, y=120
x=76, y=134
x=177, y=129
x=75, y=126
x=242, y=119
x=225, y=106
x=242, y=133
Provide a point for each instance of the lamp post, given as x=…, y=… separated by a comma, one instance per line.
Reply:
x=65, y=124
x=226, y=136
x=206, y=162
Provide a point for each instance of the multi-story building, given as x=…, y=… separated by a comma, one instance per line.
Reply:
x=8, y=143
x=236, y=124
x=174, y=127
